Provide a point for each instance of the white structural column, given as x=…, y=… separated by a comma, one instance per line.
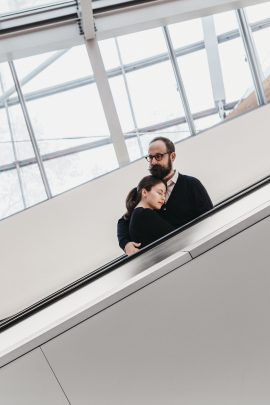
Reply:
x=211, y=47
x=107, y=101
x=255, y=68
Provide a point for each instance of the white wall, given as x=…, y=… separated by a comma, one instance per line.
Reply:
x=53, y=243
x=197, y=336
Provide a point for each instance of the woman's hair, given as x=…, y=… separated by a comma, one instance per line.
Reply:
x=135, y=195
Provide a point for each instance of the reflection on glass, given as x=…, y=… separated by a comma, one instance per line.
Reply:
x=79, y=167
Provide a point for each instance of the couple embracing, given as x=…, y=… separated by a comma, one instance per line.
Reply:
x=161, y=202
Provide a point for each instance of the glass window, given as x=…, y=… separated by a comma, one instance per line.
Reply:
x=121, y=102
x=186, y=33
x=34, y=190
x=142, y=45
x=10, y=194
x=64, y=117
x=237, y=77
x=6, y=155
x=197, y=82
x=109, y=53
x=68, y=119
x=154, y=94
x=207, y=122
x=258, y=12
x=79, y=167
x=225, y=22
x=261, y=40
x=57, y=68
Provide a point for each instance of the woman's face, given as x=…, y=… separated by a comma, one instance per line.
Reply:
x=155, y=198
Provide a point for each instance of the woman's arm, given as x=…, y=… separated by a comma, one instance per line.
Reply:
x=124, y=238
x=150, y=226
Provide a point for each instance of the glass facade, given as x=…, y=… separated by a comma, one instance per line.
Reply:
x=65, y=110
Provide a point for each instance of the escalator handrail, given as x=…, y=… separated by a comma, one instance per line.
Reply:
x=121, y=260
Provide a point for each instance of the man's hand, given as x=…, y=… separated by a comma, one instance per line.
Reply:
x=131, y=248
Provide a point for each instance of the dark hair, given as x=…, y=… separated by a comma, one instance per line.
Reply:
x=169, y=144
x=135, y=195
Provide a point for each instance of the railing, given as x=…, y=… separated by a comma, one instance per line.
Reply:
x=119, y=261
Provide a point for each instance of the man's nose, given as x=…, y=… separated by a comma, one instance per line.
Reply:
x=154, y=161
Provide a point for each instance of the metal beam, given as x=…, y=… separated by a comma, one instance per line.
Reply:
x=30, y=130
x=17, y=166
x=253, y=61
x=197, y=46
x=179, y=81
x=214, y=64
x=107, y=101
x=33, y=73
x=55, y=27
x=129, y=97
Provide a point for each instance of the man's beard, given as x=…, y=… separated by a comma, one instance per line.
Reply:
x=159, y=171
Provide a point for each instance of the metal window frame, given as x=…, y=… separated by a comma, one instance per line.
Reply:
x=254, y=64
x=30, y=130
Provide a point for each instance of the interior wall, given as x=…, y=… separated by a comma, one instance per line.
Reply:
x=47, y=246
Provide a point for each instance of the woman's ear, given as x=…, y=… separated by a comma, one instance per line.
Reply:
x=144, y=192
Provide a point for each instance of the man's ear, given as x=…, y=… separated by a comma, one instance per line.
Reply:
x=173, y=156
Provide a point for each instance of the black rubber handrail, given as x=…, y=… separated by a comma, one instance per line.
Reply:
x=119, y=261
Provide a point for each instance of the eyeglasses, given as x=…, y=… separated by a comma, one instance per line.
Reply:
x=157, y=156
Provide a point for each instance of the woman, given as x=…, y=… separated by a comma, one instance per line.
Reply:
x=146, y=225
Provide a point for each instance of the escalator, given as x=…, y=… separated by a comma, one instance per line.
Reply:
x=179, y=321
x=183, y=321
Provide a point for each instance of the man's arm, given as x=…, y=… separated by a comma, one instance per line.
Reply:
x=125, y=243
x=203, y=201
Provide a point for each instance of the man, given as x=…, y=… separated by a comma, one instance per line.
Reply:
x=186, y=197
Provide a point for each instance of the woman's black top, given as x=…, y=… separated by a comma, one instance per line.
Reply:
x=147, y=225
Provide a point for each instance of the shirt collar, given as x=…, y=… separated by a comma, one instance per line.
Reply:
x=173, y=180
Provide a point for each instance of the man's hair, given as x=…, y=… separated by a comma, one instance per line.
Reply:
x=169, y=144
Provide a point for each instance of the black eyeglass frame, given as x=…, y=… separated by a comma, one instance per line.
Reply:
x=157, y=156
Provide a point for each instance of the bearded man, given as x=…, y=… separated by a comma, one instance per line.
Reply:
x=186, y=197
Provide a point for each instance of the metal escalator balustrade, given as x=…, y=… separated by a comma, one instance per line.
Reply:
x=156, y=251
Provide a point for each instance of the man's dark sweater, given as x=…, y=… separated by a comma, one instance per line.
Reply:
x=188, y=200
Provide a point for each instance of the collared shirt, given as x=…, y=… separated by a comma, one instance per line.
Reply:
x=170, y=184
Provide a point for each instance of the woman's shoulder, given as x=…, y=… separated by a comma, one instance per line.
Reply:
x=141, y=214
